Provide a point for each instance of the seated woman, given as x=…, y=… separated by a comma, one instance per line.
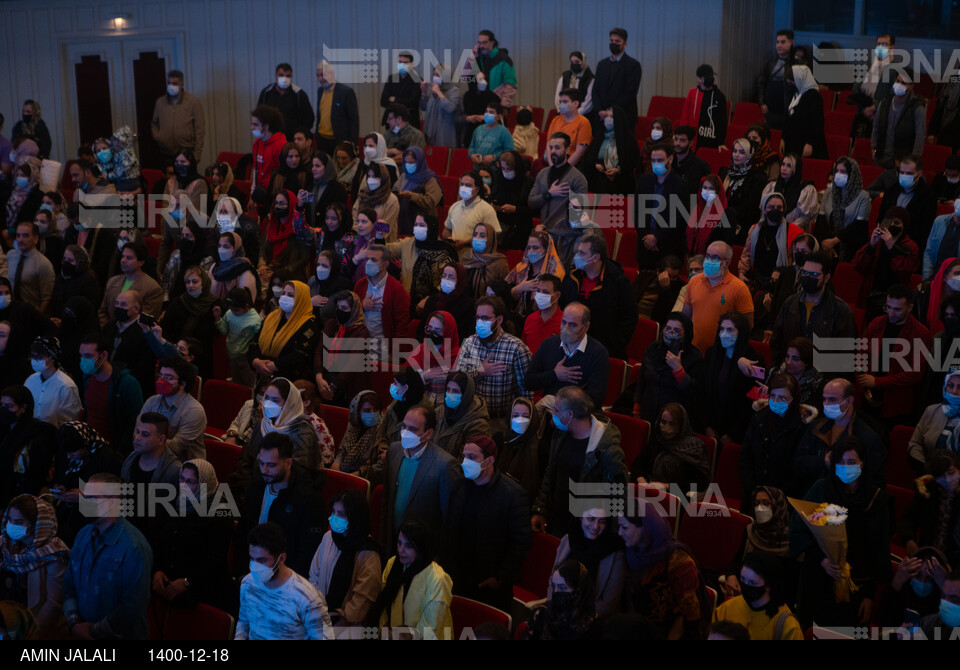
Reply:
x=335, y=381
x=368, y=230
x=347, y=166
x=415, y=591
x=539, y=258
x=406, y=390
x=221, y=179
x=33, y=561
x=117, y=160
x=661, y=130
x=671, y=369
x=764, y=157
x=436, y=355
x=27, y=446
x=570, y=614
x=453, y=297
x=422, y=257
x=187, y=180
x=915, y=586
x=711, y=221
x=482, y=261
x=762, y=604
x=233, y=269
x=336, y=235
x=462, y=414
x=723, y=393
x=934, y=509
x=288, y=336
x=326, y=191
x=326, y=283
x=663, y=581
x=346, y=568
x=935, y=429
x=674, y=455
x=190, y=556
x=190, y=252
x=288, y=246
x=375, y=194
x=593, y=541
x=525, y=446
x=291, y=174
x=509, y=197
x=374, y=153
x=743, y=184
x=325, y=442
x=844, y=210
x=802, y=204
x=848, y=484
x=191, y=315
x=417, y=190
x=774, y=431
x=798, y=363
x=358, y=449
x=230, y=218
x=282, y=412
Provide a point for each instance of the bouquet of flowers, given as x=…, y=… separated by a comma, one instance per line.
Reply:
x=826, y=524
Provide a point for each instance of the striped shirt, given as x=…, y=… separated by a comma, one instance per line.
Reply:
x=499, y=391
x=293, y=611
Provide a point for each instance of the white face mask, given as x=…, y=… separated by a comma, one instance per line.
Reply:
x=656, y=135
x=899, y=89
x=543, y=300
x=370, y=152
x=260, y=573
x=466, y=193
x=373, y=184
x=764, y=514
x=708, y=196
x=283, y=82
x=173, y=91
x=519, y=424
x=420, y=233
x=438, y=80
x=226, y=223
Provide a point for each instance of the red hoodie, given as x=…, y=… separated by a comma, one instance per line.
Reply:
x=266, y=158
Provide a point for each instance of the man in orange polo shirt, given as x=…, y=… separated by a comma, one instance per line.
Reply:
x=714, y=292
x=569, y=121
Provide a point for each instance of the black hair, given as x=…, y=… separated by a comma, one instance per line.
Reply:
x=619, y=32
x=572, y=93
x=269, y=116
x=399, y=110
x=900, y=292
x=730, y=630
x=562, y=136
x=768, y=568
x=268, y=536
x=159, y=421
x=283, y=66
x=282, y=443
x=822, y=259
x=185, y=371
x=785, y=33
x=687, y=131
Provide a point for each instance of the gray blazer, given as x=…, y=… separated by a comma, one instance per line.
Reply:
x=436, y=476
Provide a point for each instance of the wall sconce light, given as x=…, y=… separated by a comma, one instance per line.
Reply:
x=119, y=22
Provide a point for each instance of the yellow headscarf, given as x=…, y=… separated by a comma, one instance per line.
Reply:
x=273, y=336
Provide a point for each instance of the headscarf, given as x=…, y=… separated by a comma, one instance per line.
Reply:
x=468, y=391
x=947, y=409
x=224, y=271
x=357, y=320
x=345, y=175
x=31, y=128
x=791, y=190
x=83, y=260
x=686, y=446
x=844, y=197
x=934, y=324
x=207, y=482
x=226, y=181
x=192, y=175
x=591, y=552
x=706, y=218
x=475, y=260
x=327, y=287
x=803, y=78
x=742, y=170
x=236, y=209
x=274, y=335
x=419, y=179
x=320, y=185
x=280, y=232
x=26, y=149
x=551, y=262
x=444, y=300
x=76, y=435
x=329, y=238
x=357, y=317
x=200, y=306
x=573, y=617
x=656, y=540
x=381, y=156
x=763, y=153
x=356, y=539
x=291, y=412
x=415, y=390
x=648, y=145
x=51, y=347
x=45, y=547
x=18, y=197
x=772, y=537
x=450, y=347
x=359, y=441
x=372, y=199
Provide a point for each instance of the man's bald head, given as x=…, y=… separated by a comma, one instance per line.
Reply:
x=839, y=386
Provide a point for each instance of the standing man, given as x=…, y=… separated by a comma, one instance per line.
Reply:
x=570, y=122
x=292, y=101
x=554, y=184
x=662, y=200
x=30, y=272
x=706, y=110
x=177, y=120
x=403, y=88
x=618, y=77
x=773, y=93
x=496, y=67
x=338, y=119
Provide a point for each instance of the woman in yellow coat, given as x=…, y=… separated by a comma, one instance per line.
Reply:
x=760, y=607
x=416, y=592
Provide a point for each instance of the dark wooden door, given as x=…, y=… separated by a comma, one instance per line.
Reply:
x=93, y=100
x=150, y=82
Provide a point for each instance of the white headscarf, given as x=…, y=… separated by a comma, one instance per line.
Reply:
x=292, y=410
x=803, y=78
x=381, y=154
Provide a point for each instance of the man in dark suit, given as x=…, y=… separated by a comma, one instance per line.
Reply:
x=661, y=203
x=130, y=346
x=418, y=479
x=618, y=78
x=338, y=119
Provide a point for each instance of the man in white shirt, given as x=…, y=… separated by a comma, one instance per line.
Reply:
x=55, y=395
x=468, y=211
x=275, y=602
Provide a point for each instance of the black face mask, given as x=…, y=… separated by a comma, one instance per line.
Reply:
x=186, y=246
x=281, y=212
x=576, y=68
x=799, y=258
x=752, y=594
x=27, y=118
x=810, y=284
x=343, y=317
x=895, y=230
x=68, y=270
x=614, y=48
x=6, y=416
x=182, y=170
x=951, y=323
x=436, y=338
x=775, y=216
x=708, y=82
x=560, y=601
x=122, y=314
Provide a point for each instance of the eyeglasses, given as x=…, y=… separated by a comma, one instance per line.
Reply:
x=170, y=378
x=814, y=275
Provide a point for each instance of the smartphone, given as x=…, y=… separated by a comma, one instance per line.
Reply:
x=913, y=620
x=308, y=197
x=148, y=320
x=758, y=372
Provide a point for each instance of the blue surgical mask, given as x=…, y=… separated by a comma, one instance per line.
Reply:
x=484, y=329
x=471, y=469
x=323, y=273
x=727, y=340
x=338, y=524
x=922, y=589
x=176, y=214
x=847, y=473
x=659, y=169
x=271, y=410
x=38, y=365
x=370, y=419
x=882, y=52
x=949, y=613
x=519, y=424
x=4, y=301
x=559, y=424
x=952, y=400
x=372, y=268
x=580, y=262
x=563, y=108
x=447, y=286
x=453, y=400
x=489, y=118
x=15, y=532
x=479, y=245
x=907, y=181
x=286, y=303
x=608, y=123
x=534, y=257
x=410, y=167
x=832, y=412
x=104, y=155
x=22, y=183
x=46, y=207
x=778, y=407
x=88, y=366
x=395, y=393
x=711, y=267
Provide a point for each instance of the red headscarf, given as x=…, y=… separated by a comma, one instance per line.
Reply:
x=705, y=218
x=280, y=232
x=936, y=295
x=449, y=349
